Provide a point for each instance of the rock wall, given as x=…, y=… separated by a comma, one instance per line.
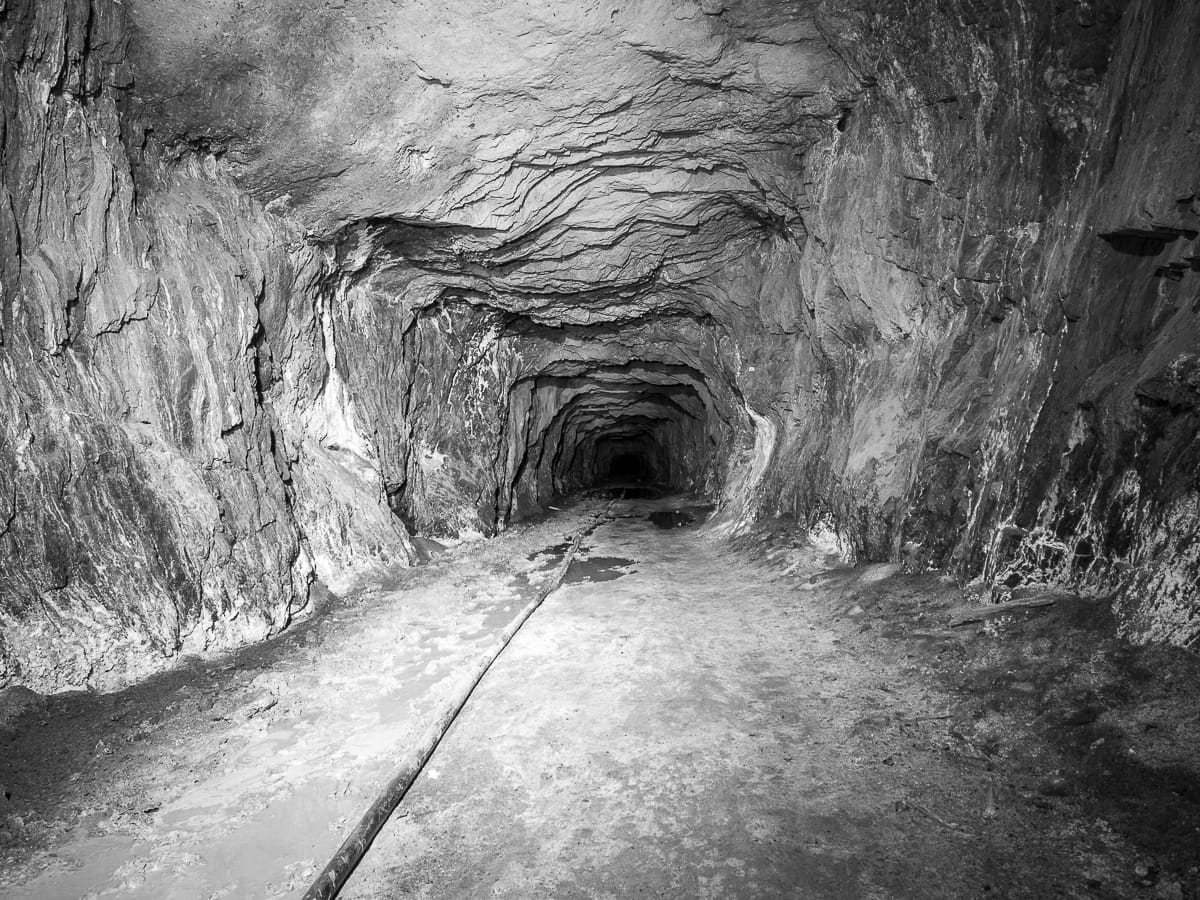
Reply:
x=163, y=376
x=1002, y=281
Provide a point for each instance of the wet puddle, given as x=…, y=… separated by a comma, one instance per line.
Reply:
x=597, y=568
x=552, y=555
x=679, y=518
x=88, y=862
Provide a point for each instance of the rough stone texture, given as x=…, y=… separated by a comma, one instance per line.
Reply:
x=1002, y=266
x=147, y=477
x=284, y=282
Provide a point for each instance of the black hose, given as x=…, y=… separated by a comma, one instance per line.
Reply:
x=335, y=874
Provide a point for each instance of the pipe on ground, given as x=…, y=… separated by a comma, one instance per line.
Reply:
x=335, y=874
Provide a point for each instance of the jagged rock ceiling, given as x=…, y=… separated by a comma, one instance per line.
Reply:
x=574, y=164
x=590, y=159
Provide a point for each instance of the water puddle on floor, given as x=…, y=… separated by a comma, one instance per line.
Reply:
x=88, y=862
x=552, y=556
x=598, y=568
x=679, y=518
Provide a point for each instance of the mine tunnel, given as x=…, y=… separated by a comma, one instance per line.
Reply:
x=630, y=459
x=649, y=424
x=671, y=448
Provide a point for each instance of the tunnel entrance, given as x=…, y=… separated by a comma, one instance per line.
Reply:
x=651, y=428
x=636, y=460
x=630, y=467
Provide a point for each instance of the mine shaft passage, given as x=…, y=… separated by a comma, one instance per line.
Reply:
x=639, y=460
x=631, y=467
x=298, y=296
x=643, y=419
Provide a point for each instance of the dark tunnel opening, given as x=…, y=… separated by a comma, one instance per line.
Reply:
x=595, y=426
x=638, y=460
x=629, y=467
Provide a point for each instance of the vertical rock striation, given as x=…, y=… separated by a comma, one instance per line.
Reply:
x=1002, y=276
x=161, y=357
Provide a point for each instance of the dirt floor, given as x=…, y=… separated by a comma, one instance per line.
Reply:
x=689, y=716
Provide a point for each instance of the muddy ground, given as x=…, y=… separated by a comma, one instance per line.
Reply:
x=691, y=715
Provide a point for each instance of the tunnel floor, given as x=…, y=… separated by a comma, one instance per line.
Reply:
x=690, y=715
x=700, y=727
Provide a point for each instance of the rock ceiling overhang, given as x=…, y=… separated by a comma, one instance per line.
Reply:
x=545, y=154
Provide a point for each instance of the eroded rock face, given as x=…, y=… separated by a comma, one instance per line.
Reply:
x=284, y=283
x=1019, y=306
x=164, y=363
